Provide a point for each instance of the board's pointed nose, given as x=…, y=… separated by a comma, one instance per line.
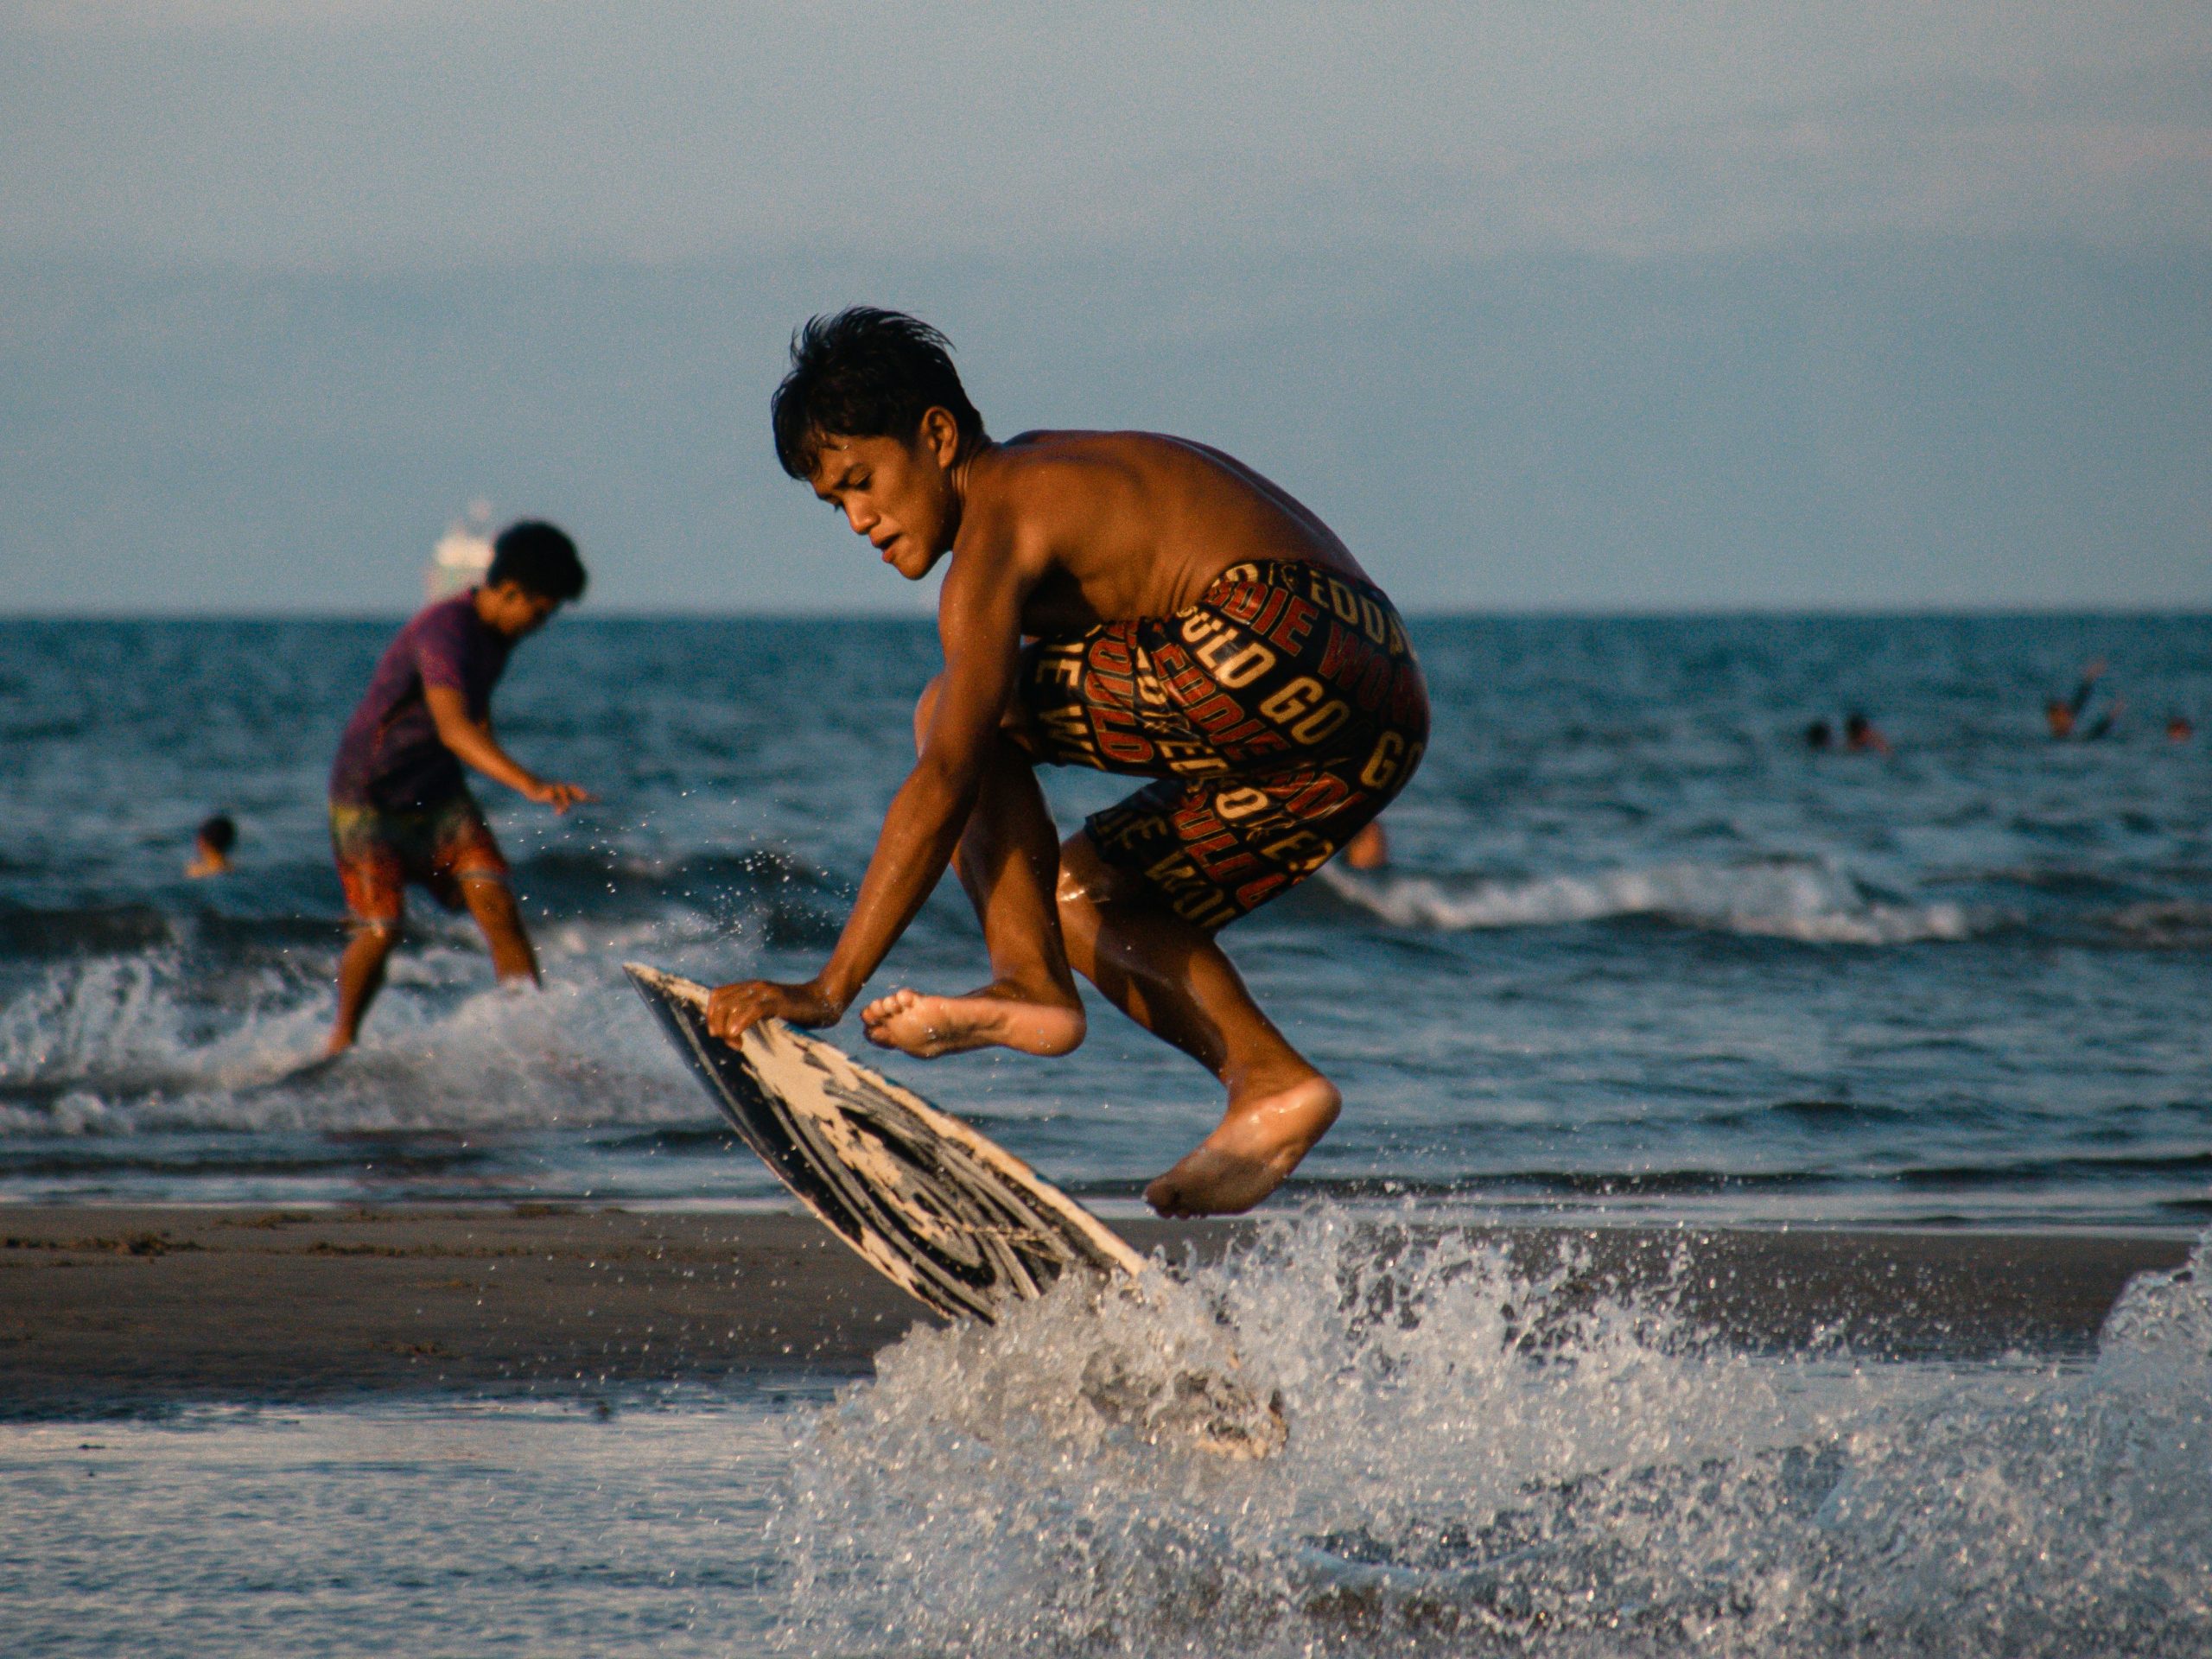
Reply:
x=659, y=988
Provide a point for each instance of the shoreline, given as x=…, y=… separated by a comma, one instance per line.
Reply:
x=108, y=1308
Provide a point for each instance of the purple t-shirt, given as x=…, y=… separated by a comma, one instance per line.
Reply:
x=391, y=756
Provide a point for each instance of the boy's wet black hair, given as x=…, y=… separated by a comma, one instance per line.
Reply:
x=539, y=558
x=864, y=373
x=220, y=833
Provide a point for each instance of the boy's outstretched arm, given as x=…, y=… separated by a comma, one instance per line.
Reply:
x=472, y=741
x=980, y=624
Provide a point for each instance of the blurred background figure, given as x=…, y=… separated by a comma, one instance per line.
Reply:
x=211, y=847
x=401, y=811
x=2178, y=730
x=2063, y=715
x=1862, y=736
x=1818, y=735
x=1370, y=849
x=2101, y=727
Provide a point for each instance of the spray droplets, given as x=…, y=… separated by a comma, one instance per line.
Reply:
x=1493, y=1456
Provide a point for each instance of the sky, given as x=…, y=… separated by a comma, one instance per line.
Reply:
x=1569, y=307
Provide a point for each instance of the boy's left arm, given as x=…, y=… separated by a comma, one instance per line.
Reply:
x=471, y=742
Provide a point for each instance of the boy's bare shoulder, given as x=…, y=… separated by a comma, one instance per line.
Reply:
x=1141, y=521
x=1042, y=485
x=1088, y=472
x=1037, y=458
x=1078, y=445
x=1051, y=443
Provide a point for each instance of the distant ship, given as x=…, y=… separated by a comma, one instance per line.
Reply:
x=462, y=556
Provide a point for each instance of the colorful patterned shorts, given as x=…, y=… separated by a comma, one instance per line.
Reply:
x=437, y=847
x=1280, y=714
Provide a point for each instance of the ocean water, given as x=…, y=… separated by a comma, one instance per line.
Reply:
x=1479, y=1463
x=1640, y=954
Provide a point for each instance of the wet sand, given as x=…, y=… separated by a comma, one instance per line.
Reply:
x=109, y=1309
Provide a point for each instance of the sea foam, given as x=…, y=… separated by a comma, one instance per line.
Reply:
x=136, y=1044
x=1770, y=898
x=1485, y=1459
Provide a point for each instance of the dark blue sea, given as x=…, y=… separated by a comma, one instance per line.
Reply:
x=1641, y=953
x=1642, y=956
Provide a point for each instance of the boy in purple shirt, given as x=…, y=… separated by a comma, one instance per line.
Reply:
x=400, y=810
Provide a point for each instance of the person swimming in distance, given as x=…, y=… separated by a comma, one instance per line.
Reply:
x=2178, y=729
x=1131, y=602
x=1367, y=850
x=211, y=848
x=1862, y=736
x=1818, y=735
x=401, y=811
x=2060, y=714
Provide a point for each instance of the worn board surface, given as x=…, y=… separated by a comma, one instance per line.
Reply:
x=960, y=1223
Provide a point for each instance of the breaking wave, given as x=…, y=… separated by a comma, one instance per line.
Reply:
x=1770, y=898
x=1487, y=1457
x=160, y=1041
x=2172, y=925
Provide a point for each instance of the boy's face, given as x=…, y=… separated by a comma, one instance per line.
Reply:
x=510, y=608
x=900, y=496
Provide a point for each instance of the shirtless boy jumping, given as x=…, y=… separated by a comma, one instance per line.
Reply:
x=1124, y=600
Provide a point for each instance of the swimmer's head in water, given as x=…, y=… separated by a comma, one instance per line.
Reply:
x=1819, y=734
x=2060, y=717
x=1862, y=736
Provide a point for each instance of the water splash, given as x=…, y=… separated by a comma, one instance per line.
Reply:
x=1488, y=1457
x=142, y=1044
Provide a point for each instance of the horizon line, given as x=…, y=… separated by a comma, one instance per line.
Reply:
x=2178, y=609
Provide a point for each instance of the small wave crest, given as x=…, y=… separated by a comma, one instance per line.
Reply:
x=1492, y=1457
x=1775, y=899
x=123, y=1020
x=159, y=1041
x=2177, y=925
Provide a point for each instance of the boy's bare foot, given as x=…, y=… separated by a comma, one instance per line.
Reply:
x=1258, y=1144
x=926, y=1026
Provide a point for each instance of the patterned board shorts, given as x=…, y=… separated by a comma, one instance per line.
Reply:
x=437, y=847
x=1281, y=713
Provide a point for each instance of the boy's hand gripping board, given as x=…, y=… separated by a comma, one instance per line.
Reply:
x=962, y=1226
